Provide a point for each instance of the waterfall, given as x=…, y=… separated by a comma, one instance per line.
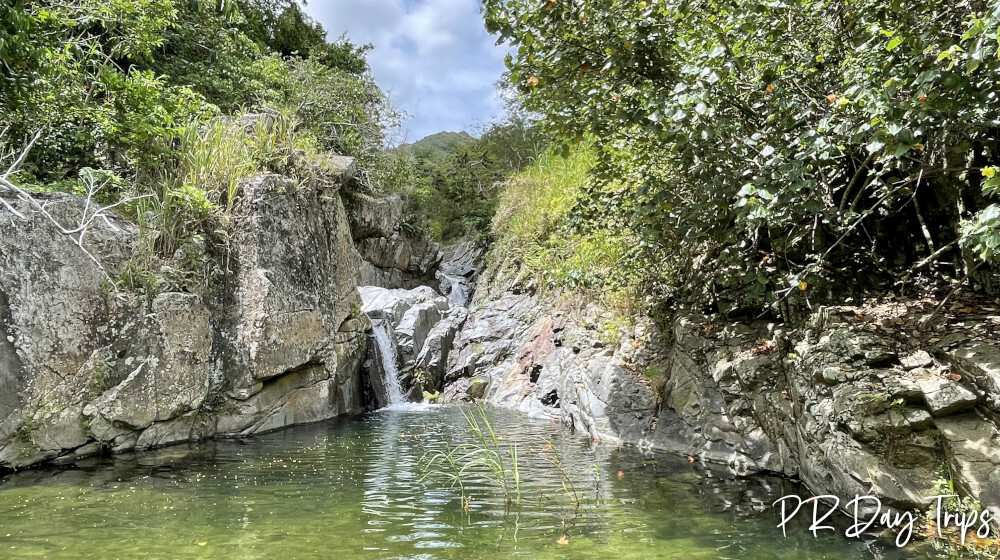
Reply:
x=390, y=371
x=457, y=288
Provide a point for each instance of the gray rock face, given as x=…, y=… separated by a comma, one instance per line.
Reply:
x=831, y=403
x=458, y=271
x=388, y=254
x=273, y=340
x=375, y=217
x=945, y=397
x=973, y=446
x=544, y=362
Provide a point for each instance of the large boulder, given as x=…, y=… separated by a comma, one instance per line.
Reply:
x=273, y=336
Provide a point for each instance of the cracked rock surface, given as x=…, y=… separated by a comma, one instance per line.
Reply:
x=272, y=338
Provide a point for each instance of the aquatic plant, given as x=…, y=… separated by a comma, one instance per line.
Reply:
x=485, y=457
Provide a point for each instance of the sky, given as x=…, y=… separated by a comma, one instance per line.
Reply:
x=433, y=57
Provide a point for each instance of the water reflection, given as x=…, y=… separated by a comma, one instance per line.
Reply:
x=356, y=489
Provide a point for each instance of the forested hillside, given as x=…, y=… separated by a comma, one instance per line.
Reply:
x=767, y=155
x=160, y=107
x=457, y=178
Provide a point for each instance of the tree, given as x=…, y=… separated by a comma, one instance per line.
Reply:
x=784, y=140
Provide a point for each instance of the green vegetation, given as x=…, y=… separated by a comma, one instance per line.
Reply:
x=458, y=178
x=161, y=107
x=755, y=153
x=485, y=456
x=541, y=241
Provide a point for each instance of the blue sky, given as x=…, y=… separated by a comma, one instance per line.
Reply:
x=433, y=57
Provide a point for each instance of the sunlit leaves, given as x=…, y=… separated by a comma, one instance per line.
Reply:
x=754, y=122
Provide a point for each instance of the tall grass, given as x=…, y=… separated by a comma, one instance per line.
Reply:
x=538, y=198
x=194, y=196
x=538, y=246
x=485, y=457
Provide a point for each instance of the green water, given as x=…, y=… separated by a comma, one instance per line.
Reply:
x=353, y=489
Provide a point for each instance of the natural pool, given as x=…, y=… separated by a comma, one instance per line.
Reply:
x=354, y=489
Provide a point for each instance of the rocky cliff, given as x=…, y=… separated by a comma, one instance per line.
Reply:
x=274, y=338
x=843, y=402
x=389, y=253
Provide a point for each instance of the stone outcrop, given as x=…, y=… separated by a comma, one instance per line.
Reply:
x=457, y=273
x=834, y=402
x=550, y=361
x=389, y=254
x=273, y=337
x=423, y=326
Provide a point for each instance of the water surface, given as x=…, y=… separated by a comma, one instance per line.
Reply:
x=356, y=489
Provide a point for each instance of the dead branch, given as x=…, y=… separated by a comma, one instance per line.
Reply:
x=91, y=211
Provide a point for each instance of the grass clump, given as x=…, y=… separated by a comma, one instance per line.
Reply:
x=485, y=457
x=541, y=245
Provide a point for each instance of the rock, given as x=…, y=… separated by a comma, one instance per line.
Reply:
x=274, y=339
x=945, y=397
x=904, y=388
x=520, y=355
x=416, y=325
x=979, y=362
x=457, y=272
x=382, y=303
x=856, y=345
x=171, y=375
x=918, y=359
x=374, y=217
x=422, y=325
x=477, y=388
x=837, y=375
x=826, y=416
x=973, y=445
x=386, y=254
x=917, y=418
x=433, y=357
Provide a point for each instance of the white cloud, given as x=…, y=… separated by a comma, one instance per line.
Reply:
x=433, y=56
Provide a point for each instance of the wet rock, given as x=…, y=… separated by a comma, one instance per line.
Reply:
x=423, y=325
x=476, y=388
x=433, y=357
x=391, y=305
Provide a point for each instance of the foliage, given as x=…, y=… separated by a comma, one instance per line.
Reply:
x=348, y=114
x=537, y=239
x=66, y=71
x=457, y=178
x=760, y=144
x=133, y=94
x=485, y=457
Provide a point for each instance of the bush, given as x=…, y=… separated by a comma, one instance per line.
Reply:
x=764, y=144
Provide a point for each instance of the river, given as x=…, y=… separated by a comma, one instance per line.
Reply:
x=357, y=488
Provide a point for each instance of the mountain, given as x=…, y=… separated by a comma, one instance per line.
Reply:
x=440, y=144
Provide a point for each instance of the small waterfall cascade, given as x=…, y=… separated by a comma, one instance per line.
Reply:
x=390, y=369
